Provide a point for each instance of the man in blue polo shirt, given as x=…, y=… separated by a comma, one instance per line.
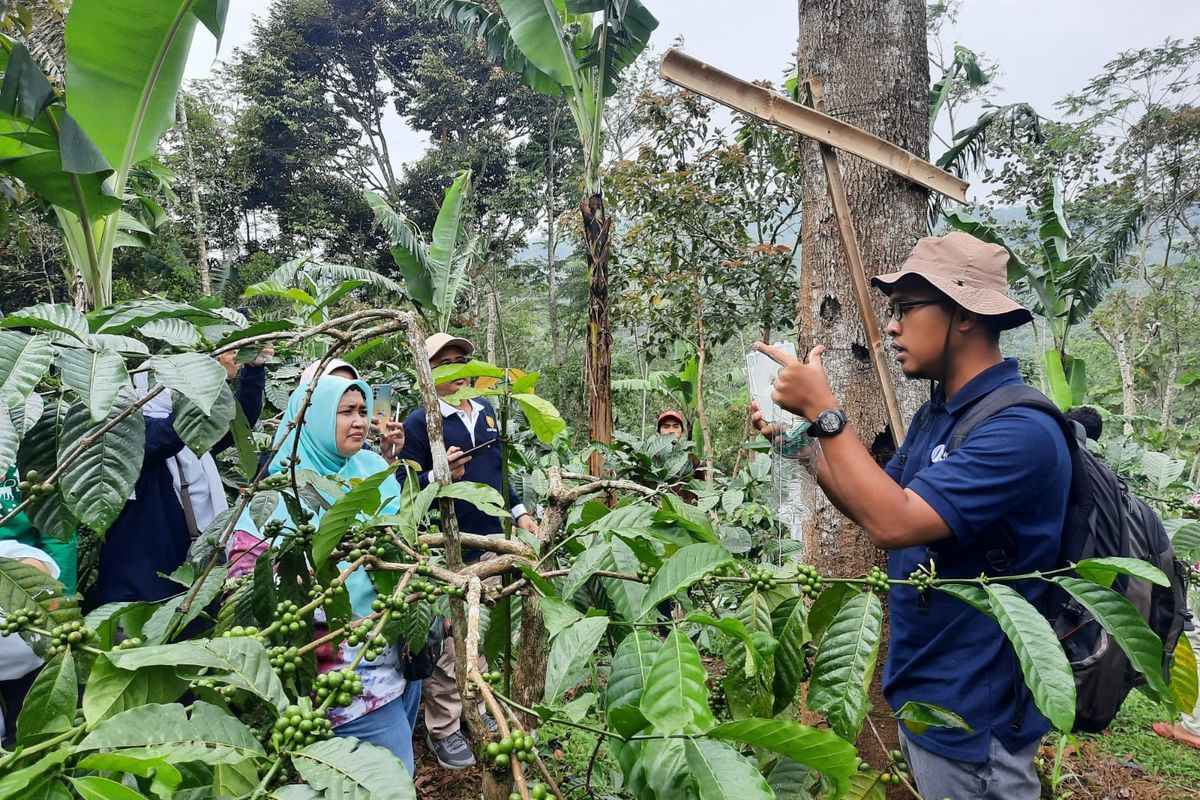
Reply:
x=996, y=503
x=466, y=426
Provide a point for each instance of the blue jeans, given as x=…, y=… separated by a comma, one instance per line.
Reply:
x=390, y=726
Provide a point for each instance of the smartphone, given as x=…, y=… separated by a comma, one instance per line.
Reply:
x=381, y=394
x=479, y=447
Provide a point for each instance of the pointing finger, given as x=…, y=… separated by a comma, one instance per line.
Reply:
x=814, y=355
x=776, y=354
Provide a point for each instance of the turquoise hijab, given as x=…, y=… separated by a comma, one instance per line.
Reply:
x=318, y=453
x=318, y=447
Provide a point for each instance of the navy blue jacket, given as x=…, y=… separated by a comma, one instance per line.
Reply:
x=151, y=535
x=1013, y=472
x=484, y=466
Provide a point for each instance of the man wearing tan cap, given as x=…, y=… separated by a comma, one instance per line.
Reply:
x=993, y=503
x=468, y=425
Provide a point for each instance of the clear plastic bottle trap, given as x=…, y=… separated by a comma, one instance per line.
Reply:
x=794, y=453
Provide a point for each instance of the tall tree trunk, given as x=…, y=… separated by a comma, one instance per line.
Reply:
x=644, y=374
x=1170, y=388
x=551, y=286
x=1128, y=395
x=552, y=241
x=492, y=304
x=1118, y=342
x=597, y=363
x=873, y=63
x=197, y=212
x=701, y=413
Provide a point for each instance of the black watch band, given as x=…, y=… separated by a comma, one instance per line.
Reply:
x=829, y=422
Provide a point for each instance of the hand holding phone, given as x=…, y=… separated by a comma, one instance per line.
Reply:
x=381, y=394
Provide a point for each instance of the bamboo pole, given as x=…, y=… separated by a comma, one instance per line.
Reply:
x=758, y=101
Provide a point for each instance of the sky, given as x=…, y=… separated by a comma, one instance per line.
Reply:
x=1044, y=49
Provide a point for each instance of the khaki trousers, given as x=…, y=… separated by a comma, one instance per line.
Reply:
x=443, y=705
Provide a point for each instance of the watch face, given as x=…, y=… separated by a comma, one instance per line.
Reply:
x=829, y=422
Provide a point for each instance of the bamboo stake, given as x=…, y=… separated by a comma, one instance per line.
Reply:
x=858, y=275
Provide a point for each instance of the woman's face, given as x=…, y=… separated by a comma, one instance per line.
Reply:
x=351, y=431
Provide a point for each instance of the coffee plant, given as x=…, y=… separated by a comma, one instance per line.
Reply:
x=677, y=632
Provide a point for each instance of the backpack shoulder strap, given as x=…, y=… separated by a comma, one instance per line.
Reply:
x=918, y=422
x=999, y=558
x=1000, y=399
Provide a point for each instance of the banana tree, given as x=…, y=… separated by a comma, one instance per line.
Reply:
x=435, y=272
x=314, y=288
x=77, y=149
x=1066, y=276
x=577, y=49
x=965, y=148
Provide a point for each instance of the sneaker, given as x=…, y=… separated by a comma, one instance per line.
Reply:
x=453, y=752
x=488, y=723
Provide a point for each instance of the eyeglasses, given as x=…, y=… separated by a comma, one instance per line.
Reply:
x=899, y=307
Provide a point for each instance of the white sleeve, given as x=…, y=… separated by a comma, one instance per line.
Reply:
x=16, y=550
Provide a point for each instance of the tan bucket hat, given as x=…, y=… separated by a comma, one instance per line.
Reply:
x=440, y=341
x=970, y=272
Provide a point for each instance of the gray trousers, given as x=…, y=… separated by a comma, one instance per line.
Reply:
x=1004, y=776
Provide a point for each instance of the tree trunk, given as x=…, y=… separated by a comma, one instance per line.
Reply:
x=597, y=364
x=1170, y=388
x=873, y=63
x=201, y=245
x=1128, y=397
x=644, y=374
x=1120, y=346
x=701, y=413
x=492, y=302
x=552, y=242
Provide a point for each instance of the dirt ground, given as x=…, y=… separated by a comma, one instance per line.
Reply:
x=434, y=783
x=1088, y=775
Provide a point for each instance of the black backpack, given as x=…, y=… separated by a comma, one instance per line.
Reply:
x=1103, y=519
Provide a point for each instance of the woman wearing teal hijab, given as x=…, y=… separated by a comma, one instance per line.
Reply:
x=331, y=445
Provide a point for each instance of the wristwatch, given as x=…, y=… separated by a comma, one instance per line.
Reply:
x=828, y=423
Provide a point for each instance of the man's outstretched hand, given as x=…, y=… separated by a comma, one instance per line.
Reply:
x=799, y=388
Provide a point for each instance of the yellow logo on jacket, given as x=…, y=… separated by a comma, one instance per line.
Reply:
x=491, y=423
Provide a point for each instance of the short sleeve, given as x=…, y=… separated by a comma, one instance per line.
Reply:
x=15, y=550
x=1007, y=463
